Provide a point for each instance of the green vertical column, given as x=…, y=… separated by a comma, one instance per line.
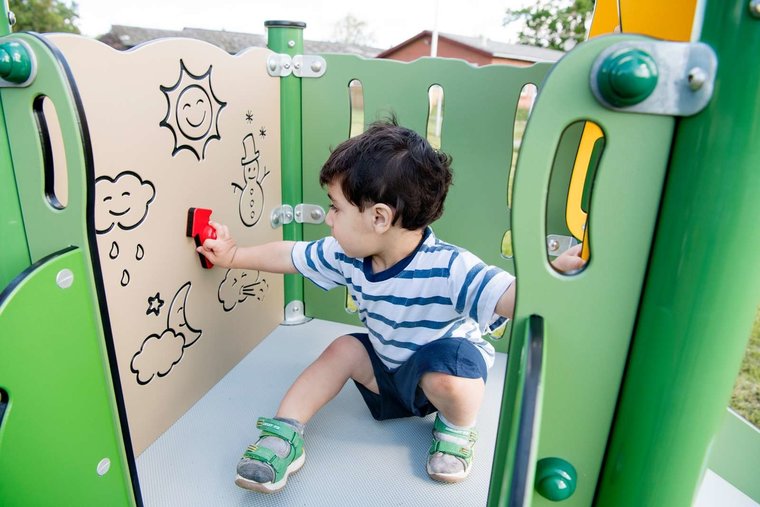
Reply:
x=702, y=287
x=286, y=37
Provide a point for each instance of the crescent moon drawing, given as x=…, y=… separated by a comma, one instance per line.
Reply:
x=177, y=318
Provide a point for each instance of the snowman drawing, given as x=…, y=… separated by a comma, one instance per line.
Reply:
x=251, y=193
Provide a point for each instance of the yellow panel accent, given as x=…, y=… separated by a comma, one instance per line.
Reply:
x=605, y=19
x=575, y=216
x=671, y=20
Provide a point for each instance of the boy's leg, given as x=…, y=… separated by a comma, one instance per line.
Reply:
x=458, y=401
x=345, y=358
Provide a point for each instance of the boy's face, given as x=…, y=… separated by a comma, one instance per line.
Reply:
x=350, y=227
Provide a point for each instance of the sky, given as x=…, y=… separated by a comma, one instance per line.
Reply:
x=389, y=22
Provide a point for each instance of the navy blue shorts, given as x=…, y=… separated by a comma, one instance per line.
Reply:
x=400, y=393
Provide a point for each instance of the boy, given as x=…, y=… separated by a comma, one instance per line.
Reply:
x=425, y=303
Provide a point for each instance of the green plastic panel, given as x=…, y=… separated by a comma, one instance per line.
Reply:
x=735, y=454
x=478, y=121
x=48, y=228
x=701, y=291
x=589, y=317
x=59, y=423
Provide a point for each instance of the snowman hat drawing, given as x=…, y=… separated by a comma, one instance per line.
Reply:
x=251, y=153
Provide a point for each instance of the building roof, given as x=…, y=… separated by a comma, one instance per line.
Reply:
x=486, y=46
x=126, y=37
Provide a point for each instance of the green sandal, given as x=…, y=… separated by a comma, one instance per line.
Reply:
x=462, y=451
x=282, y=467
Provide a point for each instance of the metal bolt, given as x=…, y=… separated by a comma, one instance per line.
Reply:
x=316, y=214
x=64, y=278
x=697, y=78
x=553, y=245
x=286, y=65
x=297, y=65
x=11, y=18
x=754, y=8
x=316, y=66
x=291, y=43
x=272, y=64
x=104, y=466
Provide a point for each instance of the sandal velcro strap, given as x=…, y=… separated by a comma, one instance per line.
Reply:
x=451, y=448
x=471, y=435
x=275, y=428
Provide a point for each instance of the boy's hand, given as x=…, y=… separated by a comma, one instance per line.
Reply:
x=570, y=260
x=220, y=251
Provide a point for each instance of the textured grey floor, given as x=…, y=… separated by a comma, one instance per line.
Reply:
x=351, y=459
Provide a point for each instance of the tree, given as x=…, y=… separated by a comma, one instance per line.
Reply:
x=351, y=30
x=45, y=15
x=553, y=24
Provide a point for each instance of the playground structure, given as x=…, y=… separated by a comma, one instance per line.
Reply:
x=618, y=376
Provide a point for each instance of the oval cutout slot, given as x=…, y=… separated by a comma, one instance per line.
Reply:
x=356, y=102
x=571, y=185
x=435, y=116
x=53, y=153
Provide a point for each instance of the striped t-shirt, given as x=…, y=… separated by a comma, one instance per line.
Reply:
x=438, y=291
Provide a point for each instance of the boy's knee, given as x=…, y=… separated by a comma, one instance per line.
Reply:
x=440, y=384
x=343, y=347
x=443, y=385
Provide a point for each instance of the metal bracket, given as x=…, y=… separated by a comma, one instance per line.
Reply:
x=294, y=314
x=556, y=244
x=302, y=214
x=309, y=214
x=282, y=65
x=281, y=216
x=309, y=66
x=279, y=65
x=686, y=75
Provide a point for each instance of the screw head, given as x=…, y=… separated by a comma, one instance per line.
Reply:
x=272, y=64
x=103, y=466
x=553, y=245
x=697, y=78
x=316, y=214
x=627, y=77
x=11, y=18
x=64, y=279
x=291, y=43
x=316, y=66
x=556, y=479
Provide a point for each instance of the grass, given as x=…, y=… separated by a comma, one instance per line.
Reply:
x=746, y=397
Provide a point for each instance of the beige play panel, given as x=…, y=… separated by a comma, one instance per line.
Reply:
x=173, y=125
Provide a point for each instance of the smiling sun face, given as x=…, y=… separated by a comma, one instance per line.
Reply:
x=192, y=112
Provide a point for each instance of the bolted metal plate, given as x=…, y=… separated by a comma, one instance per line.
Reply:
x=279, y=65
x=686, y=77
x=309, y=65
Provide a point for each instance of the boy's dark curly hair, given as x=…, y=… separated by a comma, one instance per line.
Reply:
x=393, y=165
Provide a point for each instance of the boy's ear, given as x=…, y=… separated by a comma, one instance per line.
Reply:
x=382, y=217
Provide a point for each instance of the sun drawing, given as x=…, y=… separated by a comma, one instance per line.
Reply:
x=192, y=112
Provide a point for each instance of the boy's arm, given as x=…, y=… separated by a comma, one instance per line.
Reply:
x=569, y=261
x=271, y=257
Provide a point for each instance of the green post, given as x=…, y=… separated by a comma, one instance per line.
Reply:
x=286, y=37
x=702, y=287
